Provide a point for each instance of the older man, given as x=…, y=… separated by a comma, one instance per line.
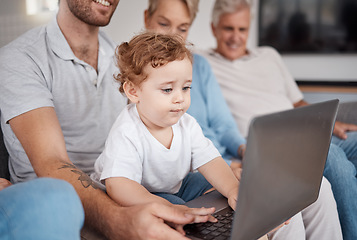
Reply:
x=256, y=82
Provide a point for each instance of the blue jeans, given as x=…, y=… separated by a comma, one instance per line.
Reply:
x=193, y=186
x=341, y=171
x=43, y=208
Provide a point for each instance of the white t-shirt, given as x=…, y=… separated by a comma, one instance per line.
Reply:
x=253, y=85
x=132, y=152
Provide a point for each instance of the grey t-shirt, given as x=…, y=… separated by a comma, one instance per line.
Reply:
x=38, y=70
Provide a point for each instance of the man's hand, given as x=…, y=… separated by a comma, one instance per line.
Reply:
x=341, y=129
x=4, y=183
x=199, y=214
x=147, y=221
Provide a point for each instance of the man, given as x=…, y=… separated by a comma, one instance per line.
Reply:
x=256, y=82
x=58, y=102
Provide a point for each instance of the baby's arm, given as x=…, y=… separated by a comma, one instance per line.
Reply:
x=127, y=192
x=220, y=175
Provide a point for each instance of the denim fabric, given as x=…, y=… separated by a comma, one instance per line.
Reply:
x=193, y=186
x=349, y=146
x=43, y=208
x=341, y=171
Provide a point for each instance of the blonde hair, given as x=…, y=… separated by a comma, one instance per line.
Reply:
x=192, y=6
x=148, y=48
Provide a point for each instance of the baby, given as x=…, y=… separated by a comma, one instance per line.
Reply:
x=154, y=147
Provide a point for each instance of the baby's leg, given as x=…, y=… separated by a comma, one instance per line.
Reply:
x=172, y=198
x=193, y=186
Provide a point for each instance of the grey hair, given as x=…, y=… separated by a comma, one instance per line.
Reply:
x=227, y=6
x=192, y=6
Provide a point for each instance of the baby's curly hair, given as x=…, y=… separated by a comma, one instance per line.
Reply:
x=144, y=49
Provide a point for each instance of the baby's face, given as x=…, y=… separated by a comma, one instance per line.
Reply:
x=165, y=95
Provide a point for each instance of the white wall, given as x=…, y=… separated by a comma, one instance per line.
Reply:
x=128, y=20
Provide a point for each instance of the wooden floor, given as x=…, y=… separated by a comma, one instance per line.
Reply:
x=334, y=89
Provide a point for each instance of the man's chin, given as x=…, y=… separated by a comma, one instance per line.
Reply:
x=234, y=55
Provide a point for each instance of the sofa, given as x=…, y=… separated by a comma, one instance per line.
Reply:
x=347, y=112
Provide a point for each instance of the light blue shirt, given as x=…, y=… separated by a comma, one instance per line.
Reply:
x=211, y=111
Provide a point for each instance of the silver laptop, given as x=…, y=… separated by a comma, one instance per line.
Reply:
x=282, y=172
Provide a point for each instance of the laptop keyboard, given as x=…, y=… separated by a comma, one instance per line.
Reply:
x=220, y=230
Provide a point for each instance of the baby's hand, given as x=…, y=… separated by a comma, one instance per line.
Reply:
x=237, y=169
x=232, y=198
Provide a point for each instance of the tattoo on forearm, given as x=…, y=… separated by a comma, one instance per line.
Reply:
x=85, y=180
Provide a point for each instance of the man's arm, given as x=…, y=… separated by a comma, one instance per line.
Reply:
x=40, y=135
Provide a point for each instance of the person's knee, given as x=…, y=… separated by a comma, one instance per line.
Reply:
x=43, y=208
x=60, y=198
x=338, y=167
x=350, y=142
x=53, y=202
x=335, y=154
x=336, y=159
